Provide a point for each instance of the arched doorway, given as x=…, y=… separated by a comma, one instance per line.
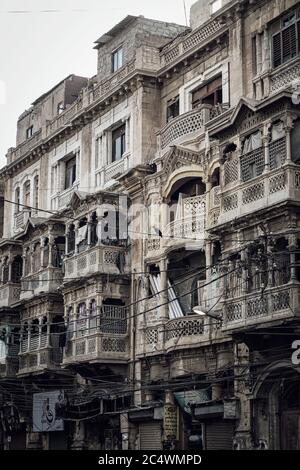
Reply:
x=277, y=408
x=290, y=416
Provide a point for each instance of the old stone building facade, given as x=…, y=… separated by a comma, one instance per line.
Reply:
x=167, y=181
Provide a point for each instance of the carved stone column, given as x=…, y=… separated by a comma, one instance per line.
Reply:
x=89, y=230
x=76, y=224
x=51, y=243
x=266, y=145
x=293, y=244
x=164, y=309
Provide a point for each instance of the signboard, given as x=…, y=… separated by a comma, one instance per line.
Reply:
x=230, y=409
x=47, y=411
x=170, y=422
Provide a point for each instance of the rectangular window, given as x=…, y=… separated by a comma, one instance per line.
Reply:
x=286, y=43
x=70, y=173
x=173, y=108
x=211, y=93
x=29, y=132
x=27, y=193
x=117, y=59
x=118, y=143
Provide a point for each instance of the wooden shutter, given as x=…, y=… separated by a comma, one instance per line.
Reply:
x=277, y=50
x=289, y=45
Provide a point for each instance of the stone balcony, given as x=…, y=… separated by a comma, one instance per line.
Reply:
x=180, y=333
x=100, y=339
x=95, y=260
x=46, y=280
x=39, y=359
x=269, y=189
x=190, y=227
x=110, y=172
x=9, y=294
x=21, y=219
x=273, y=81
x=275, y=304
x=187, y=125
x=190, y=43
x=61, y=200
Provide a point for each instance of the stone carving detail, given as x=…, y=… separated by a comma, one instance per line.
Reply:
x=277, y=153
x=277, y=183
x=257, y=307
x=231, y=171
x=82, y=263
x=285, y=78
x=113, y=345
x=92, y=345
x=80, y=348
x=151, y=336
x=234, y=312
x=254, y=193
x=181, y=328
x=183, y=125
x=230, y=202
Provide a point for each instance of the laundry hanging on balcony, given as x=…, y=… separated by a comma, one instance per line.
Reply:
x=175, y=310
x=82, y=231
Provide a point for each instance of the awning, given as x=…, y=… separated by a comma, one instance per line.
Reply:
x=189, y=398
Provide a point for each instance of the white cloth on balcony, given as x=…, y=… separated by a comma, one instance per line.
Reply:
x=277, y=131
x=81, y=235
x=253, y=142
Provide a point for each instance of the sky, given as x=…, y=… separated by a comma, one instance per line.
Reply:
x=40, y=48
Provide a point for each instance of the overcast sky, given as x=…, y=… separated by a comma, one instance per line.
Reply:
x=38, y=48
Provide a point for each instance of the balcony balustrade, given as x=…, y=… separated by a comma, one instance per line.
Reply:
x=187, y=124
x=103, y=338
x=38, y=359
x=98, y=259
x=191, y=42
x=179, y=333
x=268, y=189
x=46, y=280
x=276, y=303
x=21, y=219
x=193, y=223
x=9, y=294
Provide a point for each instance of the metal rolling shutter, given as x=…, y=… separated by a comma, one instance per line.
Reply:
x=219, y=435
x=150, y=436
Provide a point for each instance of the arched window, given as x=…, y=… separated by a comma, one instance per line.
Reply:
x=17, y=200
x=26, y=192
x=36, y=192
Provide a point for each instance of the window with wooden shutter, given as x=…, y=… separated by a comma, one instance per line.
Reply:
x=277, y=50
x=289, y=45
x=286, y=43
